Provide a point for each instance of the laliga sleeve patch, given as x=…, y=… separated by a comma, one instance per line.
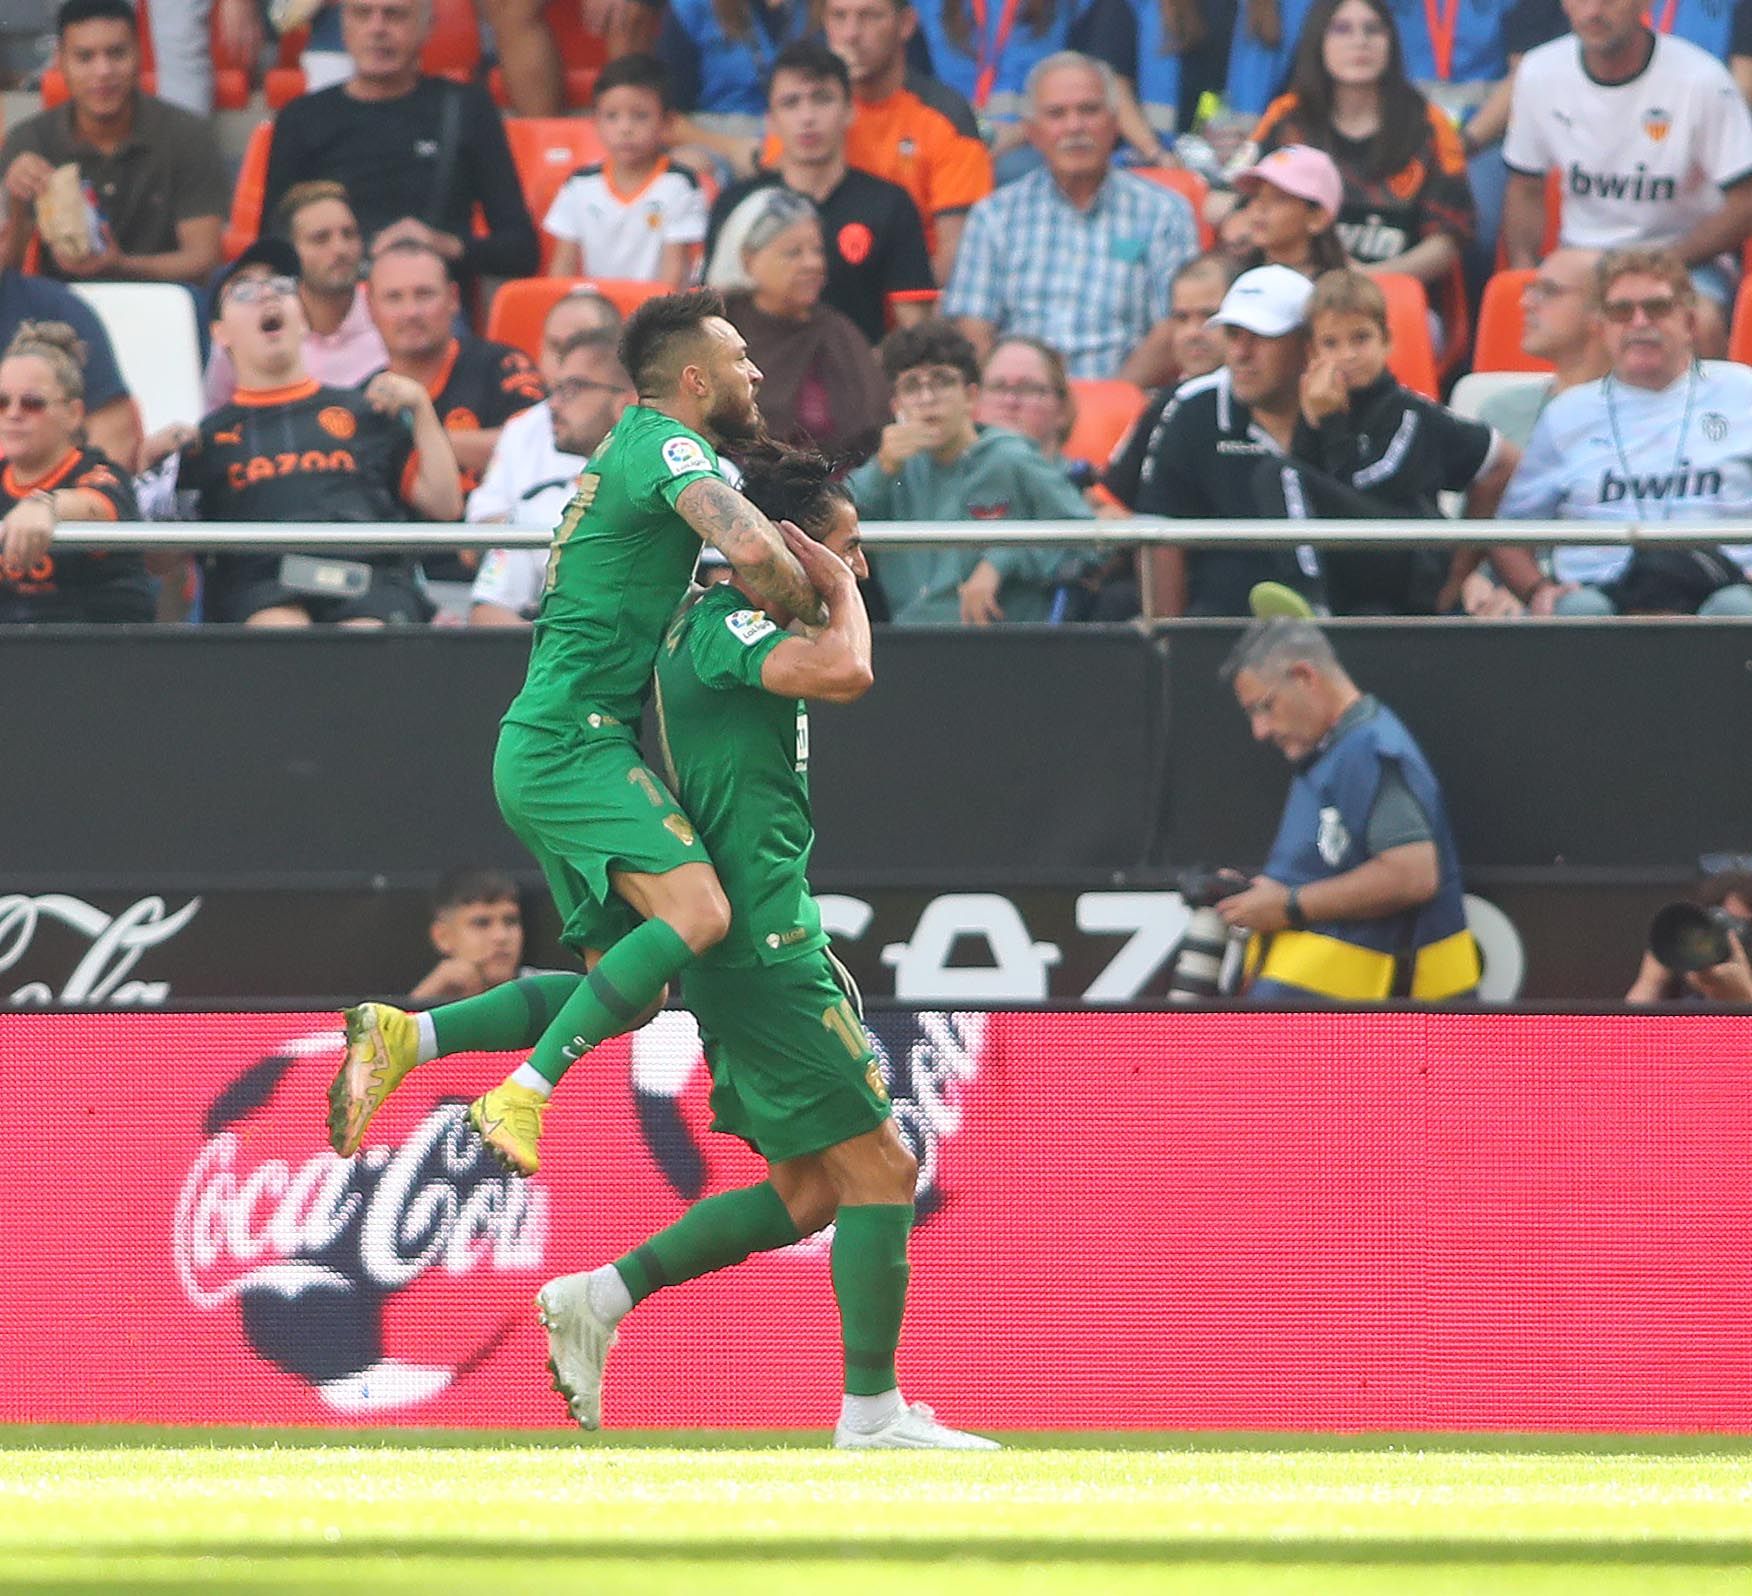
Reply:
x=682, y=455
x=748, y=627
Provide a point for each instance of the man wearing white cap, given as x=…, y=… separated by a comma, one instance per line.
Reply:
x=1221, y=436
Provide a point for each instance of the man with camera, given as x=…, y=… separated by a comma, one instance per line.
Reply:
x=1360, y=900
x=1697, y=948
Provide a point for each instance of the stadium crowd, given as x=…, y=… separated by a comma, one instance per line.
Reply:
x=1054, y=260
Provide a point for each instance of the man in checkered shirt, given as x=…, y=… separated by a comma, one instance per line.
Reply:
x=1075, y=254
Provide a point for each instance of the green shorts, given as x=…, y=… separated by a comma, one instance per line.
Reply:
x=585, y=803
x=792, y=1067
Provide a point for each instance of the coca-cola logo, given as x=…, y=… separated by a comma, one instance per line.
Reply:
x=311, y=1246
x=117, y=943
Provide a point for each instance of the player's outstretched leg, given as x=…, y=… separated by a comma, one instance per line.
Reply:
x=874, y=1177
x=580, y=1312
x=384, y=1043
x=685, y=913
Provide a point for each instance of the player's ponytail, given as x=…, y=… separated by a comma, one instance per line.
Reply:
x=796, y=485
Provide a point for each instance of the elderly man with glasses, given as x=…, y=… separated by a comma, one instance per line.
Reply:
x=1659, y=438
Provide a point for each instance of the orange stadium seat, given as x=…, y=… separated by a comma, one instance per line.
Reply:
x=1412, y=357
x=521, y=305
x=246, y=198
x=582, y=54
x=284, y=80
x=1498, y=345
x=547, y=150
x=1194, y=187
x=1106, y=408
x=1740, y=329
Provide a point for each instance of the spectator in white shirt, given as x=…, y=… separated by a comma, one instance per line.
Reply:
x=637, y=214
x=1660, y=437
x=534, y=471
x=1651, y=141
x=342, y=347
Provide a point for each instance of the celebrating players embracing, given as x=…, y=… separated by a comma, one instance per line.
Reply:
x=632, y=879
x=793, y=1072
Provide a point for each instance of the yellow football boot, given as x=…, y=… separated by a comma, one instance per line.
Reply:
x=382, y=1046
x=508, y=1120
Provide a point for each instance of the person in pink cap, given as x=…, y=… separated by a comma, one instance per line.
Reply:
x=1293, y=197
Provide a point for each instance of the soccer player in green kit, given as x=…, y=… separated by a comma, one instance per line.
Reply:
x=793, y=1072
x=633, y=881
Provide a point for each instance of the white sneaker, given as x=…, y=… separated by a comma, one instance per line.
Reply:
x=914, y=1428
x=579, y=1342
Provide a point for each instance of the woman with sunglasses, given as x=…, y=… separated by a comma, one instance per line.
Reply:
x=48, y=475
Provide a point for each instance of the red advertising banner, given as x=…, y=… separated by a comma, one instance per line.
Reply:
x=1324, y=1221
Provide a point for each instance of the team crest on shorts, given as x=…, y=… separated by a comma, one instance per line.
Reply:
x=680, y=828
x=1332, y=839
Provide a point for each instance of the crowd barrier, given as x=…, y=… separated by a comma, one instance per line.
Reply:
x=1214, y=1220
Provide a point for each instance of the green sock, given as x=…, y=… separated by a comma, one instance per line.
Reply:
x=713, y=1234
x=605, y=1003
x=511, y=1017
x=869, y=1283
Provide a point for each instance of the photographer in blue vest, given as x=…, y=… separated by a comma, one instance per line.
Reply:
x=1360, y=900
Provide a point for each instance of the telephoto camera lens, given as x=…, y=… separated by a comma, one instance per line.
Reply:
x=1198, y=964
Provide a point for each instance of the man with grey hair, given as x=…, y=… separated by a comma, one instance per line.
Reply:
x=1076, y=254
x=1360, y=900
x=416, y=153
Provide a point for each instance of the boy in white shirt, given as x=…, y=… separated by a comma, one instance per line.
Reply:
x=635, y=215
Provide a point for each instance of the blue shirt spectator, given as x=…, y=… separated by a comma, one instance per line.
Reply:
x=1077, y=255
x=1259, y=70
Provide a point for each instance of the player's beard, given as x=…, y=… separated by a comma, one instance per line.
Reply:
x=735, y=423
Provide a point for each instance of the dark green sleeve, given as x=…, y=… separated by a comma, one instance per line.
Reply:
x=729, y=647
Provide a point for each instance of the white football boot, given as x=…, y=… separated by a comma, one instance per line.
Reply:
x=913, y=1429
x=579, y=1341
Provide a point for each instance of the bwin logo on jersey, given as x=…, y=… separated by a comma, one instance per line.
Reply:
x=1670, y=485
x=1637, y=185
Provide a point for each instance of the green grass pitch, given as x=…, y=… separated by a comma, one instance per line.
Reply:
x=431, y=1513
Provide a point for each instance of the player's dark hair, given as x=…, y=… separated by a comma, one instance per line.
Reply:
x=928, y=343
x=636, y=71
x=459, y=888
x=659, y=330
x=812, y=61
x=797, y=485
x=73, y=12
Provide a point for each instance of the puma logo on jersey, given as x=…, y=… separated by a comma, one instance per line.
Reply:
x=1670, y=485
x=1638, y=185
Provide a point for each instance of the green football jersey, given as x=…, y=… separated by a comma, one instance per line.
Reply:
x=738, y=759
x=620, y=563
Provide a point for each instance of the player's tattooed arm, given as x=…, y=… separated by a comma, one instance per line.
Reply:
x=752, y=544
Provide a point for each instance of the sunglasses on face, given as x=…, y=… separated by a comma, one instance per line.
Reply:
x=1623, y=311
x=247, y=290
x=26, y=404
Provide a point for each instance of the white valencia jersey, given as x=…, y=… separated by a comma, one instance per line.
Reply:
x=529, y=482
x=1607, y=452
x=622, y=235
x=1640, y=162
